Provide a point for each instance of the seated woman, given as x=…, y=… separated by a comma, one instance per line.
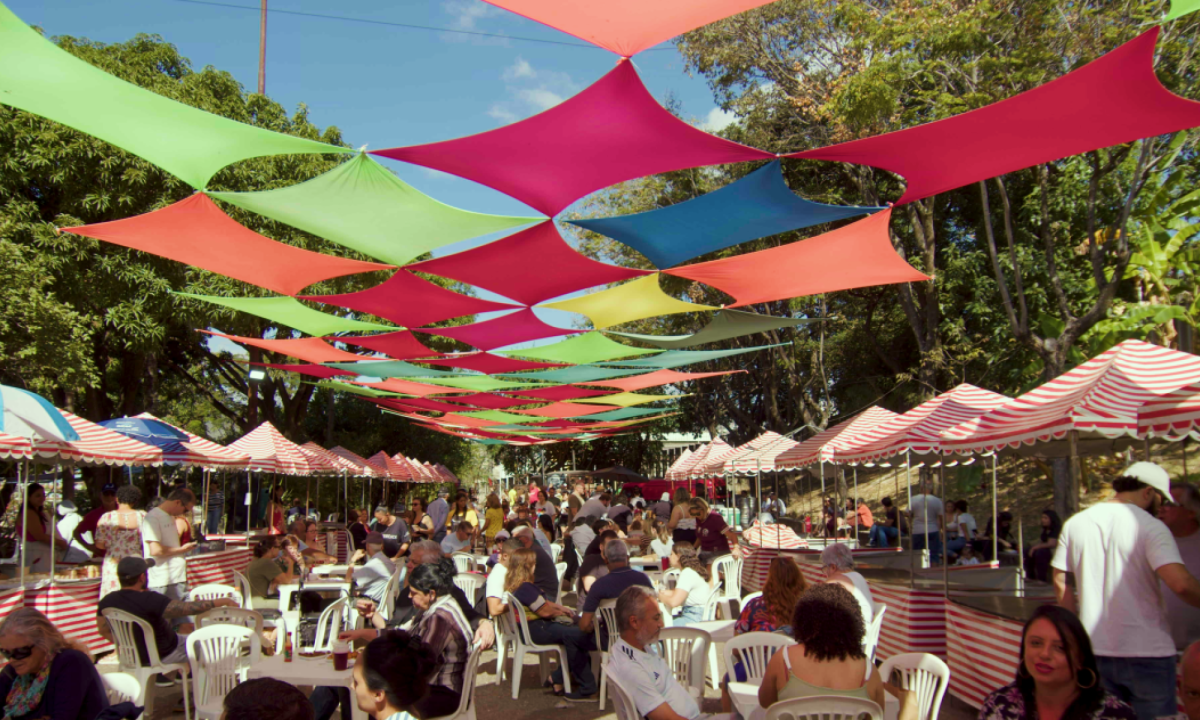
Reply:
x=838, y=564
x=265, y=574
x=313, y=537
x=1056, y=675
x=392, y=675
x=359, y=520
x=544, y=628
x=1039, y=555
x=692, y=589
x=442, y=626
x=661, y=542
x=46, y=676
x=828, y=658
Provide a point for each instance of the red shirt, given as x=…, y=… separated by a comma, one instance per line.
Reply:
x=88, y=524
x=712, y=535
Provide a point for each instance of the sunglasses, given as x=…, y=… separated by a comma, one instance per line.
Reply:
x=17, y=653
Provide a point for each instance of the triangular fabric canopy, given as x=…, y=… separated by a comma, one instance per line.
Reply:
x=624, y=414
x=659, y=377
x=518, y=327
x=566, y=410
x=823, y=446
x=476, y=383
x=628, y=399
x=756, y=206
x=1179, y=8
x=489, y=363
x=413, y=405
x=559, y=392
x=406, y=299
x=313, y=350
x=196, y=232
x=486, y=401
x=809, y=267
x=1114, y=99
x=392, y=369
x=626, y=27
x=679, y=358
x=39, y=77
x=611, y=132
x=726, y=324
x=575, y=374
x=291, y=312
x=635, y=300
x=400, y=345
x=310, y=369
x=270, y=451
x=582, y=349
x=356, y=388
x=408, y=387
x=530, y=266
x=504, y=417
x=364, y=206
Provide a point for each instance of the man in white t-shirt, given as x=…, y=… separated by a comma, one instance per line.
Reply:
x=160, y=540
x=1117, y=552
x=647, y=678
x=1183, y=520
x=926, y=513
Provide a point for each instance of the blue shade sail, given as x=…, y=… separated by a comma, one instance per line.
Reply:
x=679, y=358
x=757, y=206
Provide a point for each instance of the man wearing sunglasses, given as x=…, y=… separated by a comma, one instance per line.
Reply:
x=1117, y=552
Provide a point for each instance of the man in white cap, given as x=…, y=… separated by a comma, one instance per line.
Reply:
x=1117, y=551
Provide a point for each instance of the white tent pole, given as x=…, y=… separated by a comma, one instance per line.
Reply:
x=22, y=483
x=856, y=528
x=53, y=529
x=912, y=553
x=995, y=515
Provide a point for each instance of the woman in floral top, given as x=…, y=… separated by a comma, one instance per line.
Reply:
x=119, y=535
x=1057, y=677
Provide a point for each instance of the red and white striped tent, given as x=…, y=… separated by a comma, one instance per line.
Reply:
x=765, y=458
x=15, y=447
x=97, y=445
x=919, y=430
x=700, y=458
x=447, y=473
x=1100, y=400
x=1174, y=416
x=200, y=452
x=391, y=469
x=338, y=463
x=270, y=451
x=822, y=446
x=724, y=465
x=365, y=467
x=673, y=471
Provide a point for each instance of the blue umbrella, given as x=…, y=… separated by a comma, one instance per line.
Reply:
x=32, y=416
x=151, y=432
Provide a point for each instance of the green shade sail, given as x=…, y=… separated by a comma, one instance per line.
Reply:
x=576, y=374
x=624, y=414
x=396, y=369
x=627, y=399
x=725, y=324
x=38, y=77
x=364, y=206
x=292, y=313
x=580, y=350
x=679, y=358
x=478, y=383
x=1179, y=8
x=504, y=417
x=356, y=389
x=635, y=300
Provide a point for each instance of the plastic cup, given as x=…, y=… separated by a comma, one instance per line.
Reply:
x=341, y=654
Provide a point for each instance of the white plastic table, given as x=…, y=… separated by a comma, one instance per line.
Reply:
x=721, y=632
x=331, y=570
x=309, y=671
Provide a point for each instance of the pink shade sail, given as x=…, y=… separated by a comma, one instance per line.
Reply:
x=486, y=401
x=611, y=132
x=407, y=387
x=270, y=451
x=530, y=266
x=558, y=392
x=654, y=379
x=399, y=345
x=809, y=267
x=406, y=299
x=463, y=421
x=318, y=371
x=196, y=232
x=310, y=350
x=488, y=363
x=626, y=27
x=822, y=446
x=97, y=445
x=567, y=410
x=1114, y=99
x=414, y=405
x=518, y=327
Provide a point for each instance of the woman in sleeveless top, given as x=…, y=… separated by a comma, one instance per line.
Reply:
x=275, y=522
x=40, y=534
x=828, y=657
x=682, y=525
x=119, y=535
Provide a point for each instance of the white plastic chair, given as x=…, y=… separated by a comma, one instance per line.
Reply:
x=686, y=650
x=464, y=562
x=231, y=616
x=670, y=577
x=556, y=551
x=470, y=584
x=243, y=586
x=390, y=592
x=871, y=638
x=506, y=634
x=121, y=687
x=219, y=659
x=466, y=705
x=746, y=600
x=523, y=645
x=710, y=606
x=214, y=591
x=623, y=704
x=560, y=570
x=920, y=673
x=331, y=623
x=606, y=619
x=722, y=568
x=754, y=650
x=123, y=627
x=824, y=707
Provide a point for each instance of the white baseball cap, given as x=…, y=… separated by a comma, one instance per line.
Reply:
x=1151, y=474
x=666, y=497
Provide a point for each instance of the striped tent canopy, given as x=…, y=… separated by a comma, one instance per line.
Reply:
x=391, y=469
x=447, y=473
x=419, y=472
x=199, y=452
x=775, y=535
x=1100, y=400
x=270, y=451
x=365, y=467
x=718, y=449
x=673, y=471
x=336, y=462
x=822, y=446
x=764, y=459
x=725, y=465
x=919, y=430
x=1174, y=416
x=14, y=447
x=97, y=446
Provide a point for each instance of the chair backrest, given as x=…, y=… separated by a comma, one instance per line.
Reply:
x=231, y=616
x=121, y=687
x=214, y=591
x=244, y=586
x=468, y=692
x=722, y=571
x=330, y=625
x=685, y=649
x=871, y=638
x=125, y=628
x=390, y=592
x=555, y=551
x=755, y=650
x=737, y=577
x=464, y=562
x=519, y=621
x=470, y=583
x=920, y=673
x=623, y=704
x=670, y=576
x=746, y=600
x=560, y=570
x=219, y=664
x=606, y=616
x=824, y=707
x=710, y=606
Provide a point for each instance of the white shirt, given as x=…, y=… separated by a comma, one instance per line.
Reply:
x=451, y=544
x=697, y=587
x=159, y=527
x=494, y=588
x=1183, y=618
x=582, y=536
x=968, y=520
x=546, y=507
x=862, y=593
x=372, y=578
x=649, y=681
x=1114, y=549
x=660, y=548
x=925, y=510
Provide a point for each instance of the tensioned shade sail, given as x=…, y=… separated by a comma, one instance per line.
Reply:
x=575, y=374
x=726, y=324
x=612, y=131
x=566, y=410
x=37, y=76
x=919, y=430
x=364, y=206
x=679, y=358
x=413, y=405
x=1099, y=399
x=626, y=27
x=406, y=299
x=488, y=363
x=400, y=345
x=475, y=383
x=629, y=399
x=270, y=451
x=97, y=445
x=313, y=350
x=485, y=401
x=366, y=468
x=659, y=377
x=517, y=327
x=501, y=416
x=756, y=206
x=392, y=369
x=310, y=369
x=558, y=392
x=355, y=388
x=624, y=414
x=635, y=300
x=408, y=387
x=530, y=266
x=1179, y=8
x=1114, y=99
x=589, y=347
x=809, y=267
x=196, y=232
x=291, y=312
x=822, y=446
x=200, y=451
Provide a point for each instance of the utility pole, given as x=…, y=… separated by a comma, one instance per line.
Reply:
x=262, y=50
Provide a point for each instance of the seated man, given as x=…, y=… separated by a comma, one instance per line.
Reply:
x=372, y=578
x=312, y=556
x=646, y=677
x=459, y=540
x=620, y=576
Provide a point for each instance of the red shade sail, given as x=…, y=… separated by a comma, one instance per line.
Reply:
x=400, y=345
x=559, y=392
x=1114, y=99
x=408, y=387
x=654, y=379
x=414, y=405
x=487, y=401
x=406, y=299
x=195, y=231
x=311, y=350
x=489, y=364
x=567, y=410
x=809, y=267
x=319, y=371
x=611, y=132
x=521, y=326
x=530, y=266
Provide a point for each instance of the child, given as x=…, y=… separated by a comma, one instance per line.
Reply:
x=967, y=556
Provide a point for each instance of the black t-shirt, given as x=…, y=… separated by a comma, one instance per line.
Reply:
x=358, y=531
x=544, y=575
x=394, y=536
x=149, y=606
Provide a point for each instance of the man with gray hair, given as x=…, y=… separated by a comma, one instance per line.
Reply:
x=646, y=677
x=619, y=578
x=838, y=563
x=1183, y=520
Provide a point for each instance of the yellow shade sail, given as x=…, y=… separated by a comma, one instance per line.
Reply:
x=635, y=300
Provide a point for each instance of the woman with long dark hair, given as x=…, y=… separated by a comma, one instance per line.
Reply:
x=1038, y=556
x=40, y=533
x=1057, y=678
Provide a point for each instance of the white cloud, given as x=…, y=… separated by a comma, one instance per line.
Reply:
x=519, y=69
x=717, y=120
x=529, y=90
x=503, y=114
x=465, y=13
x=540, y=98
